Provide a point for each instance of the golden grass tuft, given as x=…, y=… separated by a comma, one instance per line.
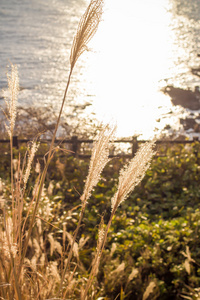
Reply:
x=99, y=158
x=132, y=174
x=32, y=153
x=11, y=103
x=87, y=27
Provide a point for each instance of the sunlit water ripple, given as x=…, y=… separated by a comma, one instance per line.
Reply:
x=140, y=47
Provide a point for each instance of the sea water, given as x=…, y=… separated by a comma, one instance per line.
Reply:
x=140, y=47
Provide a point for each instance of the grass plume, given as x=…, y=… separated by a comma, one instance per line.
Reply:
x=98, y=160
x=11, y=103
x=87, y=27
x=132, y=174
x=32, y=152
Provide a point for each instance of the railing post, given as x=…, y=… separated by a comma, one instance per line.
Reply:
x=15, y=142
x=134, y=146
x=74, y=140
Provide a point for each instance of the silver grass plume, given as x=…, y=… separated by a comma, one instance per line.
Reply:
x=13, y=87
x=87, y=27
x=133, y=173
x=33, y=150
x=98, y=160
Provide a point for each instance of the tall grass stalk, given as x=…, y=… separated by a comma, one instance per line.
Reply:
x=11, y=105
x=86, y=29
x=130, y=176
x=99, y=159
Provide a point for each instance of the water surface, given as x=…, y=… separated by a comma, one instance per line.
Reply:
x=140, y=47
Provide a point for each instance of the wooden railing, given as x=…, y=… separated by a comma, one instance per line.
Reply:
x=76, y=144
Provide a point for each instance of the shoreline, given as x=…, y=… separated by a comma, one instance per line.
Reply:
x=190, y=101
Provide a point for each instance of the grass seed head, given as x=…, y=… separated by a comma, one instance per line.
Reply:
x=33, y=150
x=87, y=27
x=11, y=103
x=133, y=174
x=99, y=158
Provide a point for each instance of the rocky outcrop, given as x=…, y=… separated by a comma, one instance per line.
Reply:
x=190, y=123
x=185, y=98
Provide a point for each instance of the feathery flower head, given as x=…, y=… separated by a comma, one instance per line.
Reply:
x=133, y=173
x=13, y=87
x=33, y=150
x=87, y=27
x=98, y=160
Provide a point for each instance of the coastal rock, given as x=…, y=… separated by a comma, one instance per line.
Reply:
x=185, y=98
x=190, y=123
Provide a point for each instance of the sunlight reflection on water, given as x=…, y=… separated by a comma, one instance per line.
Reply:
x=134, y=50
x=140, y=47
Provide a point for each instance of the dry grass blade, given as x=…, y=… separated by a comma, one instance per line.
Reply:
x=101, y=233
x=87, y=27
x=96, y=261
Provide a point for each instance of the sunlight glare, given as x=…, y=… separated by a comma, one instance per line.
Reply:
x=133, y=51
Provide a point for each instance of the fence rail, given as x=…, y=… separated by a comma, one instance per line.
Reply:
x=76, y=144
